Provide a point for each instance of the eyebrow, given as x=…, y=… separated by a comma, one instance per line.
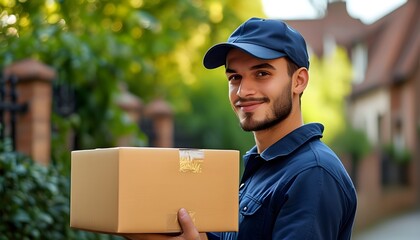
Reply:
x=259, y=66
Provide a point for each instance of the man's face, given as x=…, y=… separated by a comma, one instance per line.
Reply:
x=259, y=90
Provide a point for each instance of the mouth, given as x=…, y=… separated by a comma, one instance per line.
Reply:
x=249, y=105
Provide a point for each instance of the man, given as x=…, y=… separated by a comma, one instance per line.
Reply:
x=293, y=186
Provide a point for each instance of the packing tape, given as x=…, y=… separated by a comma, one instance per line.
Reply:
x=191, y=160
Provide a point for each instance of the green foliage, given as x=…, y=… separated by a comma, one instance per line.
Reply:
x=324, y=99
x=92, y=58
x=352, y=142
x=35, y=200
x=400, y=156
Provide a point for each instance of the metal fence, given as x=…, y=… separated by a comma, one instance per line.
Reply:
x=9, y=108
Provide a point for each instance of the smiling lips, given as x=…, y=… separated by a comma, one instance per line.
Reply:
x=249, y=105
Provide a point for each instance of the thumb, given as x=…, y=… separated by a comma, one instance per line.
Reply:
x=187, y=225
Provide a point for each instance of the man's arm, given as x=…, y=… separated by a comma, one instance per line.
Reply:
x=189, y=231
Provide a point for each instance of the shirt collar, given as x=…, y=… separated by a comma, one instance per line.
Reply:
x=289, y=143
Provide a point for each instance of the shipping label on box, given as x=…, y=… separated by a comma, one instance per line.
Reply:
x=140, y=190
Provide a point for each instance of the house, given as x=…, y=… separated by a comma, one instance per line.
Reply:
x=384, y=101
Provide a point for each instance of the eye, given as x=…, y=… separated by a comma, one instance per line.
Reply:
x=234, y=77
x=262, y=73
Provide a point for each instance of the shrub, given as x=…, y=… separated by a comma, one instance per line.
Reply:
x=35, y=200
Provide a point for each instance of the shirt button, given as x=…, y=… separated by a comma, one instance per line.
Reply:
x=245, y=208
x=242, y=185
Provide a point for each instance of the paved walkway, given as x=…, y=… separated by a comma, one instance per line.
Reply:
x=402, y=227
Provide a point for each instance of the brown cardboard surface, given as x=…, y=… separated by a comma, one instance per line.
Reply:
x=139, y=190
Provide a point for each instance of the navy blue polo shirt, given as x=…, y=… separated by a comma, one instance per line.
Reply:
x=296, y=189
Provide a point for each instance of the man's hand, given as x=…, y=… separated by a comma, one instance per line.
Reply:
x=189, y=232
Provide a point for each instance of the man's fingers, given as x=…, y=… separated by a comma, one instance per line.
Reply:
x=187, y=225
x=189, y=231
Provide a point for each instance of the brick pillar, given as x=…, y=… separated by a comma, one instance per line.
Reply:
x=33, y=128
x=162, y=116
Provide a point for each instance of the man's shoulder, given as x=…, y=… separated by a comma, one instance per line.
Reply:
x=317, y=155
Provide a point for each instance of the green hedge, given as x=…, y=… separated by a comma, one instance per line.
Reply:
x=35, y=200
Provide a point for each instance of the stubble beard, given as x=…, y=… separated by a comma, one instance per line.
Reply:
x=281, y=109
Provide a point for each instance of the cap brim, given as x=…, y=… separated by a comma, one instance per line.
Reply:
x=216, y=55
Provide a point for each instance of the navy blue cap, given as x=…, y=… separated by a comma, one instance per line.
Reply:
x=264, y=39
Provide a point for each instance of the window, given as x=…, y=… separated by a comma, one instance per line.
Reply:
x=359, y=62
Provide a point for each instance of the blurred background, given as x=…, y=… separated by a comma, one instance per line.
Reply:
x=88, y=74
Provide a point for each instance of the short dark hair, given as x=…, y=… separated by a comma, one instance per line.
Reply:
x=291, y=67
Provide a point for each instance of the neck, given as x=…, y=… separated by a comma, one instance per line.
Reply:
x=266, y=138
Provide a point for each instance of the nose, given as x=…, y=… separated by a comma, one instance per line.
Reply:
x=245, y=88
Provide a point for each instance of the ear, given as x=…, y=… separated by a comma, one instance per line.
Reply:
x=300, y=80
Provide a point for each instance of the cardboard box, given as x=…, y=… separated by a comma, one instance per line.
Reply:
x=140, y=190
